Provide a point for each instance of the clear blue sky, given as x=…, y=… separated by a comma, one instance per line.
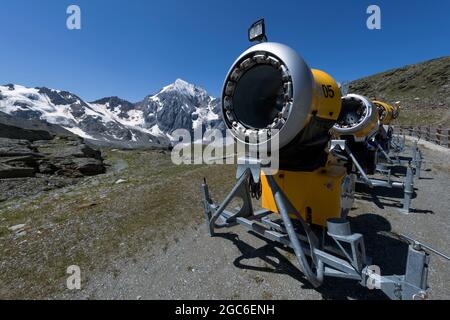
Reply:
x=132, y=48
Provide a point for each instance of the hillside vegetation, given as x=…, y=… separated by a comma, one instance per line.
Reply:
x=423, y=90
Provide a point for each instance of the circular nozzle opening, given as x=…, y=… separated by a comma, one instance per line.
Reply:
x=353, y=112
x=259, y=96
x=267, y=96
x=358, y=117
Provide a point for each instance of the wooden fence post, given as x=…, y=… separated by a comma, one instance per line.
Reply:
x=434, y=134
x=438, y=134
x=448, y=138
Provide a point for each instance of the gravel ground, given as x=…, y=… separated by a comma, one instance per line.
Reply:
x=238, y=265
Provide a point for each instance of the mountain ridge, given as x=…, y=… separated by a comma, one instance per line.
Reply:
x=113, y=120
x=423, y=90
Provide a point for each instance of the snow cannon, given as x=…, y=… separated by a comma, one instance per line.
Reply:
x=396, y=112
x=386, y=112
x=358, y=119
x=271, y=92
x=365, y=133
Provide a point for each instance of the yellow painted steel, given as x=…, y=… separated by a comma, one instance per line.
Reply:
x=316, y=195
x=388, y=114
x=369, y=128
x=326, y=96
x=396, y=112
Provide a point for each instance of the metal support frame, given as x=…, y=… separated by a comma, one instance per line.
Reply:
x=407, y=185
x=408, y=190
x=315, y=260
x=397, y=143
x=393, y=160
x=241, y=191
x=392, y=157
x=384, y=153
x=417, y=159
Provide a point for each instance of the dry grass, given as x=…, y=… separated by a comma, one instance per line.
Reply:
x=97, y=221
x=424, y=117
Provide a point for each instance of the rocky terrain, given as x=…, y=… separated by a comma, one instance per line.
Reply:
x=35, y=160
x=423, y=90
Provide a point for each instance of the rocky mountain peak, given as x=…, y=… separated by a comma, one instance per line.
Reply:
x=183, y=87
x=113, y=101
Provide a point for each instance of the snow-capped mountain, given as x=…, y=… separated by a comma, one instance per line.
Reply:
x=190, y=107
x=113, y=120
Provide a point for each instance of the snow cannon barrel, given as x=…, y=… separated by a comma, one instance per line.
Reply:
x=385, y=112
x=396, y=111
x=270, y=91
x=358, y=119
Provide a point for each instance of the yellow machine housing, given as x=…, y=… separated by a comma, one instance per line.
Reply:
x=364, y=127
x=396, y=108
x=326, y=97
x=316, y=195
x=386, y=112
x=307, y=190
x=368, y=129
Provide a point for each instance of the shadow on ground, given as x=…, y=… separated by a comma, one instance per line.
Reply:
x=387, y=197
x=387, y=252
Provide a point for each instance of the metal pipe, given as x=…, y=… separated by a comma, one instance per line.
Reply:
x=420, y=244
x=408, y=190
x=385, y=155
x=358, y=166
x=384, y=183
x=280, y=200
x=207, y=204
x=227, y=200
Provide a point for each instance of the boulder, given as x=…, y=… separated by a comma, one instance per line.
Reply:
x=78, y=151
x=78, y=167
x=64, y=156
x=16, y=148
x=22, y=161
x=89, y=166
x=9, y=172
x=46, y=167
x=13, y=132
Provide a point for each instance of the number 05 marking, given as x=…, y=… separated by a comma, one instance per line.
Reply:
x=328, y=91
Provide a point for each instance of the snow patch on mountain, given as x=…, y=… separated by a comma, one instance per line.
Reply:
x=183, y=87
x=79, y=133
x=175, y=106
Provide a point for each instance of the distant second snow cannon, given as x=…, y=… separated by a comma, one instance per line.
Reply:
x=387, y=113
x=396, y=112
x=271, y=91
x=358, y=119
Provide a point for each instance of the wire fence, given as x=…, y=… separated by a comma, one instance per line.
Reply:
x=435, y=134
